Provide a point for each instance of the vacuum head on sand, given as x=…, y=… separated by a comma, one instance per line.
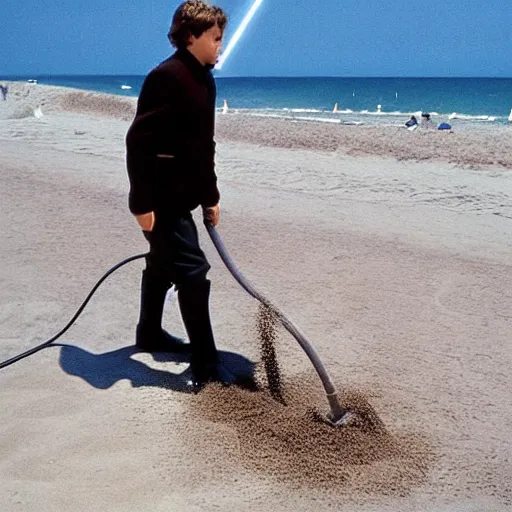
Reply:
x=346, y=419
x=352, y=418
x=356, y=413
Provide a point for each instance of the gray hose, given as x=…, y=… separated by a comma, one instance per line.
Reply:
x=337, y=412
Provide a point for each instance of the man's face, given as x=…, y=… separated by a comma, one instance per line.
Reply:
x=206, y=48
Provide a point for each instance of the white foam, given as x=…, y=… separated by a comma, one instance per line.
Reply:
x=302, y=110
x=469, y=117
x=318, y=119
x=296, y=118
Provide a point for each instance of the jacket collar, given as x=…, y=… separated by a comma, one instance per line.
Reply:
x=197, y=69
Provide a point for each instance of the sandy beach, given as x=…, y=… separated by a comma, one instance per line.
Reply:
x=392, y=250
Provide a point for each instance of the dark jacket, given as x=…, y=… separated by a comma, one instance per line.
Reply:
x=170, y=146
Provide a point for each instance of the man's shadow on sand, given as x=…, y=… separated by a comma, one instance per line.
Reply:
x=102, y=371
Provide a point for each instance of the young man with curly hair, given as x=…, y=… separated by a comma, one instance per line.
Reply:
x=170, y=153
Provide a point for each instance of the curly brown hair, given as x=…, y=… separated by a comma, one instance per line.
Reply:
x=192, y=18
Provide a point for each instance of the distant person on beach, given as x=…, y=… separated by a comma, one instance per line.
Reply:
x=426, y=122
x=5, y=90
x=170, y=153
x=412, y=122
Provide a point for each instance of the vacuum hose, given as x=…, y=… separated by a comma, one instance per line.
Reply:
x=15, y=359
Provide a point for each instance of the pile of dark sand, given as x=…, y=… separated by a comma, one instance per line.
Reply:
x=287, y=443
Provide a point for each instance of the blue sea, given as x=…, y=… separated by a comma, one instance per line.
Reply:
x=485, y=101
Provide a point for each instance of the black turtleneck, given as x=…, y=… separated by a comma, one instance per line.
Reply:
x=170, y=144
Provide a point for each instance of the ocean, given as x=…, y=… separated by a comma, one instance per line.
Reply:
x=390, y=101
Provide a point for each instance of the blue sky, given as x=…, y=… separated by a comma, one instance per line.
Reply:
x=285, y=38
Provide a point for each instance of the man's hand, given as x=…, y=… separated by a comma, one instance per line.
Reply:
x=146, y=221
x=212, y=214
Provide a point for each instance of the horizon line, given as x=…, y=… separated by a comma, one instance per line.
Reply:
x=28, y=76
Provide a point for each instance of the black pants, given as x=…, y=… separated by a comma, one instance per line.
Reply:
x=174, y=252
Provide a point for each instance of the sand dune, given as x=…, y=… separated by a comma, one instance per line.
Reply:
x=24, y=98
x=98, y=104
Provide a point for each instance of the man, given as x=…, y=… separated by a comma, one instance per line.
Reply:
x=170, y=162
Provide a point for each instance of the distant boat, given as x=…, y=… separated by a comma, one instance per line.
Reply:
x=126, y=86
x=335, y=109
x=32, y=81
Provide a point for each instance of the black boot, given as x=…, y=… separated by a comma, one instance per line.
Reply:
x=150, y=335
x=205, y=366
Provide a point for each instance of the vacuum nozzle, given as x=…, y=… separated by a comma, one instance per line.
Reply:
x=346, y=419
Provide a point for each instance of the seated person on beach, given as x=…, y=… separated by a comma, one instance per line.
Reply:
x=426, y=122
x=170, y=152
x=412, y=122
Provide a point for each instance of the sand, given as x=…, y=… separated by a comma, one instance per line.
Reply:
x=398, y=272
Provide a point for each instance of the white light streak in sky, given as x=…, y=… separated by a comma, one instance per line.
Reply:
x=238, y=34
